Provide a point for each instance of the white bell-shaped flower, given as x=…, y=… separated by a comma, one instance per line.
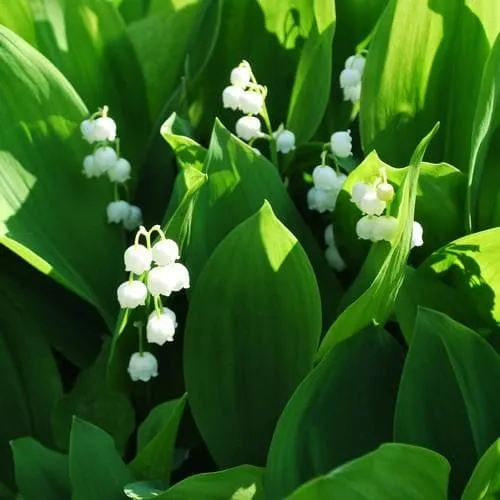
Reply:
x=231, y=97
x=251, y=102
x=341, y=144
x=105, y=157
x=356, y=62
x=119, y=172
x=142, y=367
x=132, y=294
x=165, y=252
x=133, y=219
x=329, y=235
x=161, y=327
x=334, y=259
x=161, y=281
x=256, y=151
x=248, y=127
x=104, y=129
x=87, y=129
x=117, y=211
x=324, y=177
x=417, y=235
x=285, y=141
x=384, y=228
x=358, y=191
x=349, y=78
x=385, y=191
x=90, y=168
x=352, y=93
x=370, y=204
x=321, y=200
x=365, y=227
x=137, y=259
x=240, y=76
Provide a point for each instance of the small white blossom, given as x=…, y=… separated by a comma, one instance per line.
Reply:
x=142, y=366
x=417, y=235
x=231, y=97
x=356, y=62
x=349, y=78
x=105, y=157
x=165, y=252
x=365, y=227
x=285, y=141
x=329, y=236
x=334, y=259
x=87, y=129
x=132, y=294
x=322, y=200
x=90, y=168
x=256, y=151
x=353, y=93
x=248, y=127
x=370, y=204
x=120, y=171
x=251, y=102
x=384, y=228
x=385, y=191
x=325, y=177
x=161, y=328
x=118, y=211
x=137, y=259
x=133, y=219
x=341, y=144
x=358, y=191
x=104, y=129
x=163, y=280
x=240, y=76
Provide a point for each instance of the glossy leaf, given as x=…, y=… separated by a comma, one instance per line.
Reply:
x=392, y=472
x=242, y=332
x=447, y=397
x=343, y=409
x=17, y=15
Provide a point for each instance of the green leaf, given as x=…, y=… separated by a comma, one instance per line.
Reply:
x=377, y=301
x=408, y=73
x=242, y=331
x=18, y=17
x=54, y=229
x=311, y=88
x=392, y=472
x=156, y=439
x=482, y=207
x=95, y=468
x=447, y=397
x=40, y=472
x=485, y=480
x=343, y=409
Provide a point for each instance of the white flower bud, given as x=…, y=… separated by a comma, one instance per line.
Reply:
x=161, y=328
x=248, y=127
x=417, y=235
x=231, y=97
x=251, y=102
x=322, y=200
x=385, y=191
x=370, y=204
x=384, y=228
x=165, y=252
x=341, y=144
x=90, y=169
x=105, y=157
x=87, y=129
x=137, y=259
x=120, y=171
x=104, y=129
x=356, y=62
x=334, y=259
x=180, y=277
x=285, y=142
x=132, y=294
x=349, y=78
x=358, y=191
x=163, y=280
x=133, y=219
x=240, y=76
x=256, y=151
x=324, y=177
x=117, y=211
x=142, y=366
x=353, y=93
x=329, y=236
x=365, y=227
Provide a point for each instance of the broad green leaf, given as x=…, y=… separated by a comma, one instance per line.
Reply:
x=392, y=472
x=311, y=88
x=376, y=302
x=40, y=472
x=156, y=439
x=142, y=490
x=95, y=468
x=447, y=397
x=407, y=84
x=242, y=331
x=482, y=209
x=470, y=266
x=343, y=409
x=485, y=480
x=95, y=401
x=50, y=214
x=18, y=17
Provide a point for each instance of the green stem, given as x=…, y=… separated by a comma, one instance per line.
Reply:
x=272, y=140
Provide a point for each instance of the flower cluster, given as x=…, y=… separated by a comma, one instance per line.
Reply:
x=246, y=95
x=100, y=131
x=327, y=185
x=332, y=254
x=372, y=199
x=350, y=77
x=154, y=271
